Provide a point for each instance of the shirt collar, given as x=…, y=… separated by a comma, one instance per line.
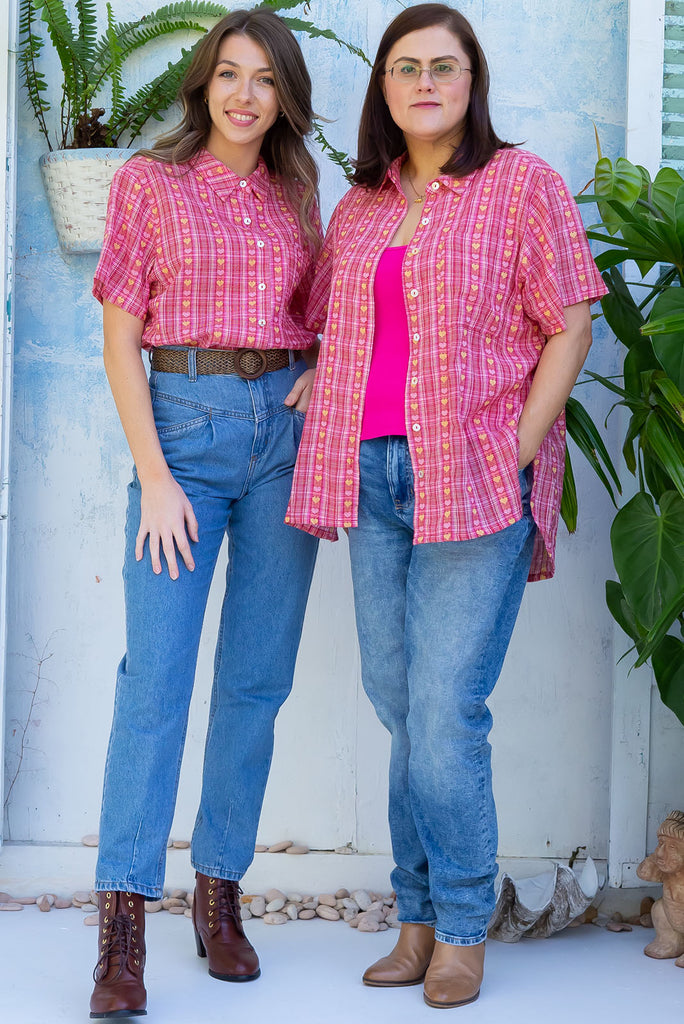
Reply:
x=394, y=171
x=225, y=182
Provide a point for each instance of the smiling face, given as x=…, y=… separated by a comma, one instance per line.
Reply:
x=428, y=111
x=242, y=102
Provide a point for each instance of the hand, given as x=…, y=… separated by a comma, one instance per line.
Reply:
x=166, y=515
x=300, y=396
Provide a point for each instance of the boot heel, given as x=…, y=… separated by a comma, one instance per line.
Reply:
x=201, y=951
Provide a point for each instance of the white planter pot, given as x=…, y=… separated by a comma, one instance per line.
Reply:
x=77, y=185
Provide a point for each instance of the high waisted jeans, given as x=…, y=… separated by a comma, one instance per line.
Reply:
x=231, y=444
x=434, y=622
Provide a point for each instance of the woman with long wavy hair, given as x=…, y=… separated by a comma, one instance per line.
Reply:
x=209, y=249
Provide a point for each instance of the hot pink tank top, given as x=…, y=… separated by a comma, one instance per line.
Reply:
x=384, y=411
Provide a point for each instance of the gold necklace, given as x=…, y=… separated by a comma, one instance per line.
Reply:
x=419, y=198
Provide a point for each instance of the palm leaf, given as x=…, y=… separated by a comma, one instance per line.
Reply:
x=568, y=507
x=584, y=433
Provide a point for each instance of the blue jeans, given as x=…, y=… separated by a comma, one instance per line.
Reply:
x=231, y=444
x=434, y=622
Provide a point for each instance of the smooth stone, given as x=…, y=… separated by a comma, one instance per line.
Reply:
x=258, y=906
x=306, y=915
x=178, y=910
x=5, y=897
x=371, y=915
x=61, y=903
x=311, y=904
x=297, y=849
x=275, y=918
x=45, y=903
x=383, y=927
x=11, y=906
x=342, y=894
x=273, y=894
x=328, y=913
x=153, y=906
x=169, y=903
x=354, y=923
x=350, y=915
x=292, y=911
x=376, y=905
x=190, y=899
x=89, y=908
x=281, y=846
x=273, y=906
x=180, y=844
x=368, y=925
x=188, y=912
x=79, y=898
x=618, y=926
x=94, y=898
x=294, y=897
x=92, y=919
x=350, y=904
x=28, y=901
x=326, y=900
x=362, y=898
x=90, y=840
x=260, y=848
x=179, y=894
x=245, y=913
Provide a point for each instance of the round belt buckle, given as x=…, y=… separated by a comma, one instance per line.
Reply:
x=250, y=363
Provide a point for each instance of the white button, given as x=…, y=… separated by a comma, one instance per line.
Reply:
x=414, y=381
x=421, y=473
x=262, y=323
x=243, y=183
x=247, y=220
x=416, y=427
x=413, y=293
x=416, y=337
x=434, y=186
x=425, y=220
x=260, y=244
x=262, y=287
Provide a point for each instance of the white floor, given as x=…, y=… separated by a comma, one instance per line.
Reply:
x=311, y=974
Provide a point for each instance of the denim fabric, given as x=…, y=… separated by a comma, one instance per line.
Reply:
x=434, y=622
x=231, y=444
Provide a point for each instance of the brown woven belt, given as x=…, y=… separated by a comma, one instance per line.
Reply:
x=248, y=363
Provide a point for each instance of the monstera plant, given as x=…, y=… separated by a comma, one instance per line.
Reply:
x=642, y=227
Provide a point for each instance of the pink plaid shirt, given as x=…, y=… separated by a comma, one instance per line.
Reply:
x=205, y=257
x=496, y=257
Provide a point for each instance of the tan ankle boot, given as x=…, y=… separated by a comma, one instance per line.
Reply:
x=218, y=930
x=408, y=961
x=454, y=975
x=119, y=987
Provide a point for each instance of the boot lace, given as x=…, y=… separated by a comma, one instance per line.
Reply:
x=117, y=942
x=227, y=895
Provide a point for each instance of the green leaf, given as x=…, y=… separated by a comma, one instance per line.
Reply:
x=584, y=433
x=667, y=448
x=621, y=181
x=297, y=25
x=568, y=507
x=668, y=667
x=669, y=346
x=670, y=614
x=664, y=189
x=648, y=552
x=622, y=314
x=640, y=359
x=634, y=429
x=621, y=611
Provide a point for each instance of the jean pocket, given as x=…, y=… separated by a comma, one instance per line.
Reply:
x=176, y=419
x=298, y=419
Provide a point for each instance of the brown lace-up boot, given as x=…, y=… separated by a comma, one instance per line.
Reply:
x=119, y=987
x=218, y=930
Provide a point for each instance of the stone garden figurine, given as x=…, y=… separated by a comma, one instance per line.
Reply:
x=666, y=865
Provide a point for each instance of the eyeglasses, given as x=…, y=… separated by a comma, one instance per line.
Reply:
x=409, y=71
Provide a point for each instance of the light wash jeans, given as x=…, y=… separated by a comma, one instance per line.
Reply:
x=434, y=622
x=231, y=444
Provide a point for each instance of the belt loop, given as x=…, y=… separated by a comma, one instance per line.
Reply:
x=192, y=365
x=293, y=358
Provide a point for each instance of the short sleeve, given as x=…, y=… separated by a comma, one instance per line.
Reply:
x=301, y=295
x=123, y=271
x=556, y=265
x=317, y=308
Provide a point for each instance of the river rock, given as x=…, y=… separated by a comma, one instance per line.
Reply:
x=170, y=903
x=11, y=906
x=326, y=900
x=92, y=919
x=350, y=915
x=273, y=906
x=5, y=897
x=292, y=911
x=80, y=898
x=179, y=894
x=178, y=910
x=89, y=908
x=273, y=894
x=310, y=904
x=362, y=898
x=327, y=913
x=90, y=840
x=303, y=915
x=350, y=904
x=294, y=897
x=180, y=844
x=245, y=913
x=281, y=846
x=260, y=848
x=45, y=903
x=28, y=901
x=188, y=912
x=61, y=903
x=368, y=924
x=153, y=906
x=275, y=918
x=258, y=906
x=342, y=894
x=297, y=848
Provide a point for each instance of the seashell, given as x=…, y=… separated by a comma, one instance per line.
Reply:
x=539, y=906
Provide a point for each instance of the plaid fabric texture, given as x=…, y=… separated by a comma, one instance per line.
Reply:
x=496, y=257
x=205, y=257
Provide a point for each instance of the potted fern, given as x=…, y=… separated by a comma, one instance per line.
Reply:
x=95, y=115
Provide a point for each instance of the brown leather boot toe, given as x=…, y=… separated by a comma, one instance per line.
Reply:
x=454, y=975
x=408, y=961
x=219, y=934
x=119, y=987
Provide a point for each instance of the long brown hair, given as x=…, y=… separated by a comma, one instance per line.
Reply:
x=381, y=141
x=283, y=148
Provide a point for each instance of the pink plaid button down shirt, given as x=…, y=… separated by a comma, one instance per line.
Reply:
x=496, y=257
x=205, y=257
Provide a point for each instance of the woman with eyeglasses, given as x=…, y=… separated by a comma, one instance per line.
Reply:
x=208, y=257
x=453, y=289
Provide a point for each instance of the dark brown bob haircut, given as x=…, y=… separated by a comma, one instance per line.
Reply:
x=381, y=141
x=283, y=148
